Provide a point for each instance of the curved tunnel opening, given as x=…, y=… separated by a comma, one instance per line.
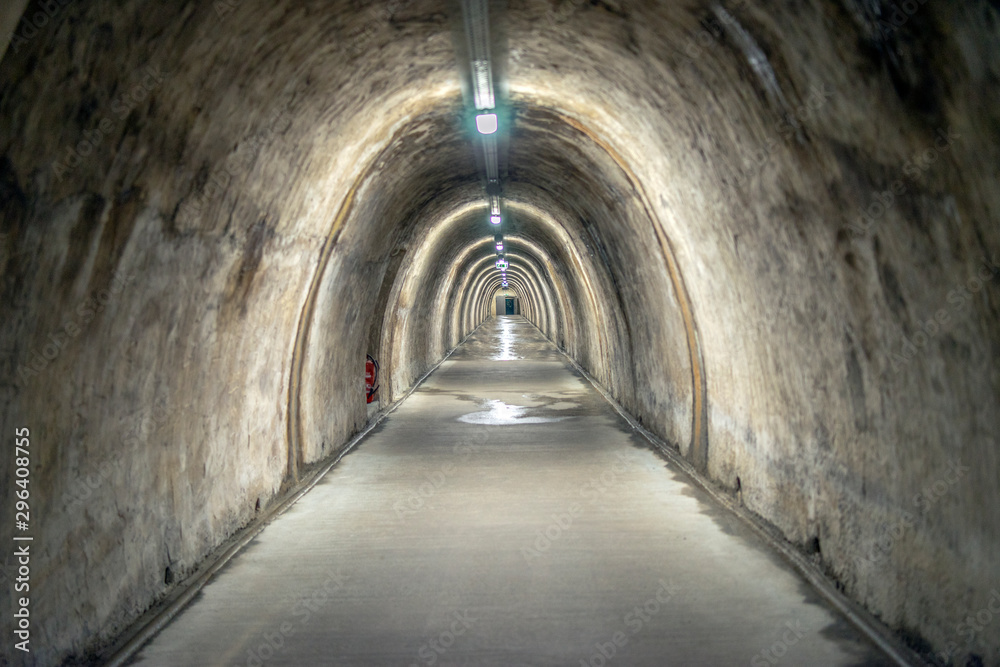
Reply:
x=767, y=232
x=571, y=252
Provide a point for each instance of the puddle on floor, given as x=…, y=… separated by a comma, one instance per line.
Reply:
x=499, y=413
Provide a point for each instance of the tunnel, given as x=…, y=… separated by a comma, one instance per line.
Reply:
x=761, y=233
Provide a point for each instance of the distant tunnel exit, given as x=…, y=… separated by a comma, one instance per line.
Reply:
x=508, y=305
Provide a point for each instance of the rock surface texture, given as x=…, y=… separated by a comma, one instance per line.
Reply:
x=768, y=229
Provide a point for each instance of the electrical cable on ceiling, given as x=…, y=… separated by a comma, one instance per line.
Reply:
x=477, y=31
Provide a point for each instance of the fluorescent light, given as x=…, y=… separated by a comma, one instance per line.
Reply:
x=494, y=205
x=482, y=79
x=500, y=247
x=495, y=219
x=486, y=123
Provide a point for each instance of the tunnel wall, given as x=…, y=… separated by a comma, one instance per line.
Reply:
x=769, y=232
x=830, y=198
x=205, y=269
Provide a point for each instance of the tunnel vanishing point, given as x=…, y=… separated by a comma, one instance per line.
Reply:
x=765, y=229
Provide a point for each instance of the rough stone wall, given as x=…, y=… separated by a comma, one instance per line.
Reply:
x=846, y=416
x=210, y=212
x=165, y=204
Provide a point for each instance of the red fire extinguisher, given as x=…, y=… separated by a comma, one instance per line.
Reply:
x=371, y=377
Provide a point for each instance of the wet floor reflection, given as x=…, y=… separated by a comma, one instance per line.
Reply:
x=507, y=338
x=499, y=413
x=505, y=351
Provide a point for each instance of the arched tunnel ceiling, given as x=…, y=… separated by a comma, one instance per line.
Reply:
x=696, y=211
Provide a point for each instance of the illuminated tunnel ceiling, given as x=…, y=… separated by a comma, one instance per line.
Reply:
x=768, y=230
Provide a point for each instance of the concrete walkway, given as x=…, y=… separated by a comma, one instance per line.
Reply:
x=506, y=515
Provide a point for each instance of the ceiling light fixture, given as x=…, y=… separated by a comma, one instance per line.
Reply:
x=486, y=123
